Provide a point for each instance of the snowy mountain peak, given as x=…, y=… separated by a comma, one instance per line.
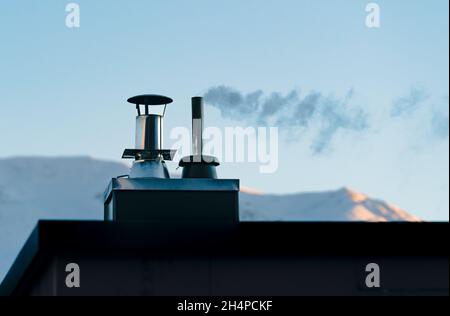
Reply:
x=354, y=196
x=343, y=204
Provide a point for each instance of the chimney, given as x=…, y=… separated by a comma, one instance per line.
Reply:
x=198, y=165
x=149, y=194
x=197, y=126
x=149, y=157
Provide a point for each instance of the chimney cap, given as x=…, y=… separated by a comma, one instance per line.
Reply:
x=150, y=99
x=199, y=159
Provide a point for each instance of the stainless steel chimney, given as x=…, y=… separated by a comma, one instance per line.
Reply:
x=149, y=132
x=149, y=154
x=197, y=126
x=197, y=165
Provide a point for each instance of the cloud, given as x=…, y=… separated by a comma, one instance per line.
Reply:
x=326, y=115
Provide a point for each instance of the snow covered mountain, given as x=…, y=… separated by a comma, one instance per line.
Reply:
x=340, y=205
x=33, y=188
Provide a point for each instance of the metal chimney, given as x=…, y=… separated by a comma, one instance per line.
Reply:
x=148, y=194
x=198, y=165
x=148, y=153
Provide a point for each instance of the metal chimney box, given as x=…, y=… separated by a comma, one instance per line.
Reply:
x=215, y=200
x=149, y=194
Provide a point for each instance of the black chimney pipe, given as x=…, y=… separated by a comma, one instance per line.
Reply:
x=197, y=127
x=198, y=165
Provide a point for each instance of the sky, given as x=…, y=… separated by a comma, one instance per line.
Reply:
x=63, y=90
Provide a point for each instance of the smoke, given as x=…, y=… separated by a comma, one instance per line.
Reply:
x=232, y=103
x=440, y=126
x=407, y=105
x=325, y=115
x=432, y=114
x=440, y=120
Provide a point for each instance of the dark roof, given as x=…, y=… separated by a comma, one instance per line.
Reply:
x=243, y=239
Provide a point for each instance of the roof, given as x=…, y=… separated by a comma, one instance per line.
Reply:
x=243, y=239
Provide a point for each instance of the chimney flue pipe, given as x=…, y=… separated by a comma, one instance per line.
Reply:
x=198, y=165
x=149, y=132
x=197, y=127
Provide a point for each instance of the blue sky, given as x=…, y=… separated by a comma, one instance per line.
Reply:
x=63, y=90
